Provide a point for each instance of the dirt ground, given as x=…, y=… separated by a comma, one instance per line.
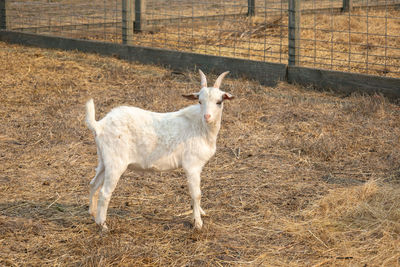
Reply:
x=300, y=177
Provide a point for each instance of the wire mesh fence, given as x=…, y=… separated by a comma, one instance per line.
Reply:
x=347, y=35
x=98, y=20
x=216, y=28
x=362, y=39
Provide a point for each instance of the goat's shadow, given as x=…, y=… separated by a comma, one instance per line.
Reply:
x=61, y=214
x=71, y=215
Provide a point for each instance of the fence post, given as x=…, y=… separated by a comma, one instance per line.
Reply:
x=3, y=14
x=294, y=32
x=140, y=15
x=128, y=16
x=251, y=8
x=347, y=5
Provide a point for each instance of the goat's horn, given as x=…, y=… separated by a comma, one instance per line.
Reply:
x=217, y=83
x=203, y=79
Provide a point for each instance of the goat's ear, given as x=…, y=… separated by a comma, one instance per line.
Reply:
x=203, y=82
x=193, y=96
x=227, y=96
x=217, y=83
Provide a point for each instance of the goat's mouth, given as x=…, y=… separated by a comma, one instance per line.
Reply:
x=208, y=121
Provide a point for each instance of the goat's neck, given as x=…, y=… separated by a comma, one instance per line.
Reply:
x=212, y=130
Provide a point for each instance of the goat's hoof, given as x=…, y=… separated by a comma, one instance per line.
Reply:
x=92, y=213
x=103, y=227
x=198, y=224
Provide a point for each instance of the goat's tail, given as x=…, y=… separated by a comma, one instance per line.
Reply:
x=90, y=118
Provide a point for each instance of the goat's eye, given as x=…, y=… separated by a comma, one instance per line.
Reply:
x=200, y=102
x=219, y=102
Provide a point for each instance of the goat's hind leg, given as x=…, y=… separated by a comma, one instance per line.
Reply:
x=111, y=178
x=95, y=185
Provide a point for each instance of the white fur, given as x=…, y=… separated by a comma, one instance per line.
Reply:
x=145, y=140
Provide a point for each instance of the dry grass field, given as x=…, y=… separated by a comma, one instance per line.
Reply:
x=300, y=178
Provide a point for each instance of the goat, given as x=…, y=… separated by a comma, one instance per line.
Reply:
x=144, y=140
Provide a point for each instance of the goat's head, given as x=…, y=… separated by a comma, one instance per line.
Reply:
x=211, y=99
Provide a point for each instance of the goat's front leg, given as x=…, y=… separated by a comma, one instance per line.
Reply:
x=193, y=177
x=202, y=212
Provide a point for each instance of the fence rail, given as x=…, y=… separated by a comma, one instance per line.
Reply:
x=360, y=36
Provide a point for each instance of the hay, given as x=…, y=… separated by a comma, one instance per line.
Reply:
x=359, y=224
x=292, y=183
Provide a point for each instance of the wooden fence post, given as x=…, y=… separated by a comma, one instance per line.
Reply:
x=347, y=5
x=128, y=16
x=251, y=8
x=140, y=15
x=3, y=14
x=294, y=32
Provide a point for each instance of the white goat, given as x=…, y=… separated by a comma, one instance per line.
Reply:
x=145, y=140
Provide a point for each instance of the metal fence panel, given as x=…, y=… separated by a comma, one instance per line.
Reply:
x=96, y=19
x=365, y=40
x=348, y=35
